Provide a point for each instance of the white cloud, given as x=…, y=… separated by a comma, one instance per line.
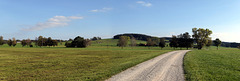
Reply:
x=146, y=4
x=101, y=10
x=56, y=21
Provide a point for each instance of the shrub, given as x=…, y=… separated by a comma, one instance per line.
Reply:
x=78, y=42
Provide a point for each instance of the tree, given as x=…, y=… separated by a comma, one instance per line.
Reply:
x=96, y=38
x=162, y=43
x=155, y=41
x=217, y=42
x=184, y=40
x=123, y=41
x=24, y=43
x=133, y=42
x=68, y=44
x=149, y=42
x=14, y=42
x=41, y=41
x=87, y=42
x=99, y=38
x=60, y=42
x=54, y=43
x=36, y=42
x=201, y=35
x=209, y=42
x=29, y=42
x=79, y=42
x=1, y=40
x=49, y=42
x=174, y=42
x=9, y=42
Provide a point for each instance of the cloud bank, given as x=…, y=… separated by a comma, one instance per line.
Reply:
x=101, y=10
x=56, y=21
x=146, y=4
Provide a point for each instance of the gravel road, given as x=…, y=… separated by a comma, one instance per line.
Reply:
x=166, y=67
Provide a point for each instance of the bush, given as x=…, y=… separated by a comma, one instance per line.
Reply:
x=67, y=44
x=78, y=42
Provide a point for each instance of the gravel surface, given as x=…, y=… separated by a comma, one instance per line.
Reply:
x=166, y=67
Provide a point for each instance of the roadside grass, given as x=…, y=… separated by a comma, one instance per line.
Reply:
x=59, y=63
x=212, y=65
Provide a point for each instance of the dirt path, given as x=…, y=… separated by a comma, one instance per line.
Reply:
x=166, y=67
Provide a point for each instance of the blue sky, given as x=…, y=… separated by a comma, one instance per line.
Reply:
x=64, y=19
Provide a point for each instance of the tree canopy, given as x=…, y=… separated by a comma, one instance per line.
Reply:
x=1, y=40
x=123, y=41
x=217, y=42
x=201, y=36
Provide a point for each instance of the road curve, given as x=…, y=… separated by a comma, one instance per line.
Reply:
x=166, y=67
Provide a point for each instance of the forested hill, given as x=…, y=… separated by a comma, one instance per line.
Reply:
x=138, y=36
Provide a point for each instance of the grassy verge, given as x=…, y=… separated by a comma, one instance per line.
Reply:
x=93, y=63
x=212, y=65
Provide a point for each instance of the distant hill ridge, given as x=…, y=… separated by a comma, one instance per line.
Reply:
x=138, y=36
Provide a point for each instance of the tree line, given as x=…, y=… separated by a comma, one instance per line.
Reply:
x=123, y=42
x=199, y=39
x=40, y=41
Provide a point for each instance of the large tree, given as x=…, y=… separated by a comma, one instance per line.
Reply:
x=133, y=42
x=36, y=41
x=87, y=42
x=155, y=41
x=123, y=41
x=29, y=42
x=14, y=42
x=217, y=42
x=174, y=42
x=184, y=40
x=162, y=43
x=9, y=42
x=23, y=42
x=201, y=35
x=54, y=43
x=150, y=42
x=1, y=40
x=49, y=42
x=79, y=42
x=41, y=41
x=209, y=42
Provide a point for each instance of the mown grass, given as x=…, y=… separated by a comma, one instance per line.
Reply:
x=213, y=65
x=59, y=63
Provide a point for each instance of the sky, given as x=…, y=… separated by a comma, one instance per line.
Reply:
x=64, y=19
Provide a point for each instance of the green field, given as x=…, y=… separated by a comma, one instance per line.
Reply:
x=96, y=62
x=212, y=65
x=103, y=59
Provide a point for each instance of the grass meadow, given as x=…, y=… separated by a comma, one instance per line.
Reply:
x=103, y=59
x=212, y=64
x=96, y=62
